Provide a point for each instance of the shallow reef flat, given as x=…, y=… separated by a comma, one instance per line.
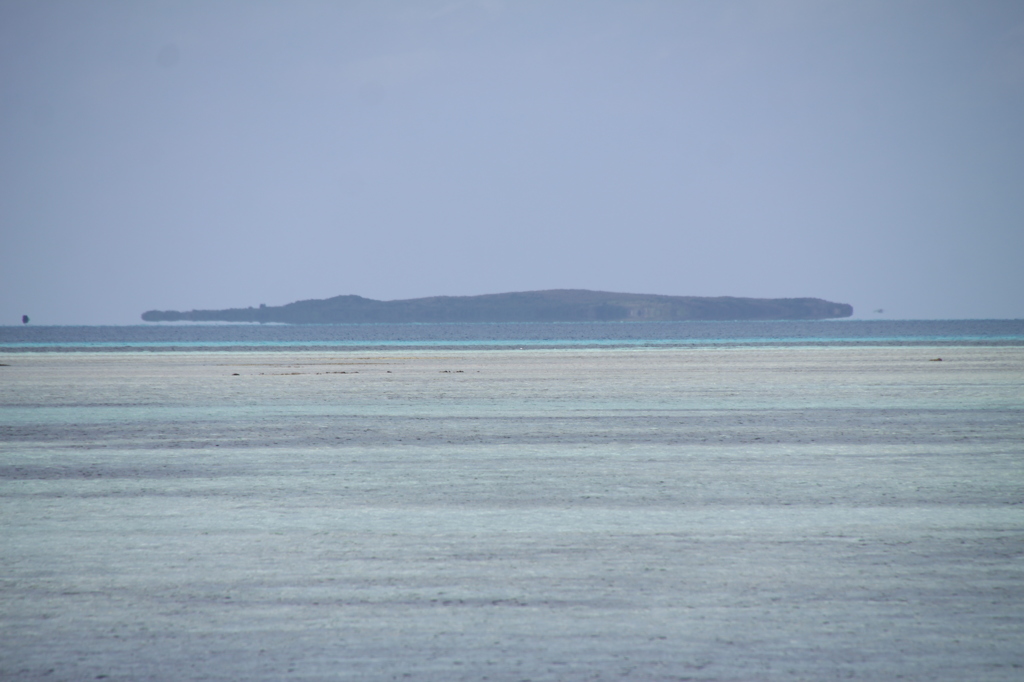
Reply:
x=769, y=513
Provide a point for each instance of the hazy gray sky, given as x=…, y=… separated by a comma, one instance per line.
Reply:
x=180, y=155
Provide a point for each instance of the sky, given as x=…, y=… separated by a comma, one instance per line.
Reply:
x=213, y=154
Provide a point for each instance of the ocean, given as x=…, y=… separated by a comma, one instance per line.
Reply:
x=510, y=334
x=605, y=501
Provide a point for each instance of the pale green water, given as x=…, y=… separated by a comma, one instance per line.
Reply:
x=707, y=514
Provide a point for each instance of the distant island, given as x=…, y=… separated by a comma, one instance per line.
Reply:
x=555, y=305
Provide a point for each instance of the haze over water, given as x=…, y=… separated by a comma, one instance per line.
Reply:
x=721, y=511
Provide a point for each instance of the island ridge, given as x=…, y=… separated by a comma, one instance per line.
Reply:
x=554, y=305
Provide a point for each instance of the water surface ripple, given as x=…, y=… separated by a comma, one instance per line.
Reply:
x=705, y=512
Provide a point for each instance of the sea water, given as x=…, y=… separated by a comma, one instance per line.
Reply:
x=734, y=508
x=513, y=334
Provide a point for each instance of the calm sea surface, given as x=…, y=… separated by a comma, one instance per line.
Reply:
x=498, y=335
x=659, y=501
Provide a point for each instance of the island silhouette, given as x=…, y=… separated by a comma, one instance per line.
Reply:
x=554, y=305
